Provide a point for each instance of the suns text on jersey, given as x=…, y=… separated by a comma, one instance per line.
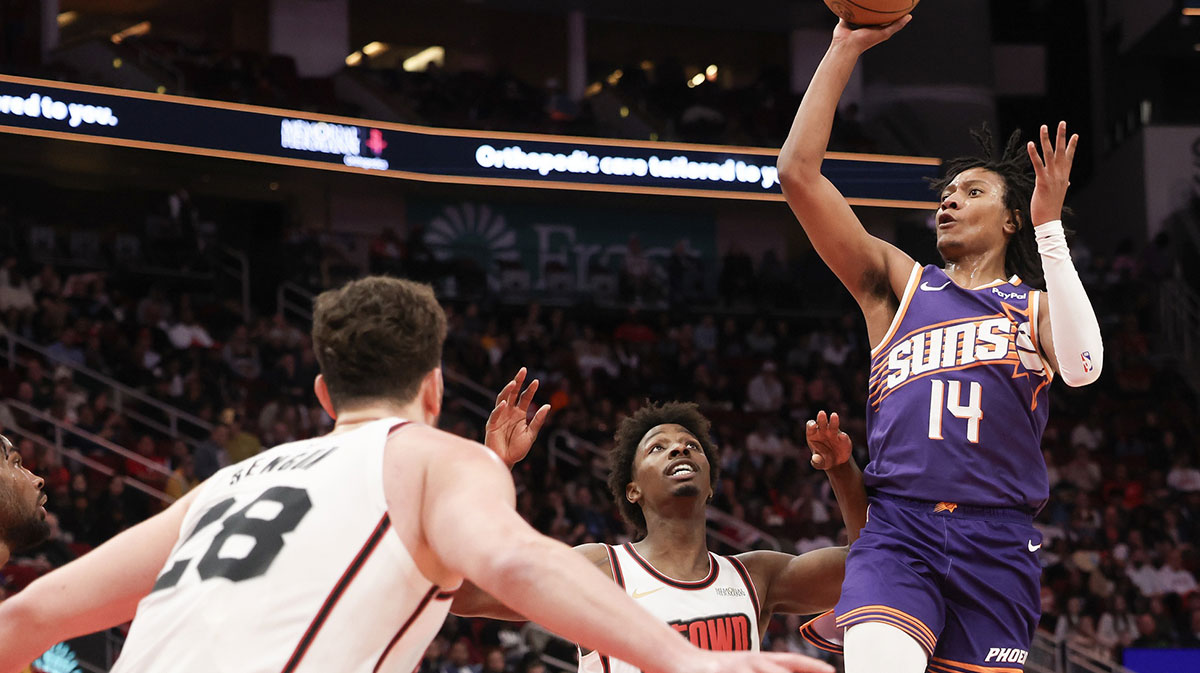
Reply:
x=721, y=632
x=300, y=460
x=970, y=342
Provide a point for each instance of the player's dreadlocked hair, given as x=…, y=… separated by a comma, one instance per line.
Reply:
x=630, y=433
x=1021, y=257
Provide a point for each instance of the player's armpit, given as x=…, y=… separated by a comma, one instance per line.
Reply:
x=96, y=591
x=804, y=584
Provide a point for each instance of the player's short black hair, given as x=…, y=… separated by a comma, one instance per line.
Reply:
x=630, y=433
x=1021, y=257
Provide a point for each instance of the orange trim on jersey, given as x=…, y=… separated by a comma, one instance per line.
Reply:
x=808, y=631
x=1037, y=346
x=925, y=632
x=971, y=668
x=895, y=622
x=910, y=289
x=945, y=507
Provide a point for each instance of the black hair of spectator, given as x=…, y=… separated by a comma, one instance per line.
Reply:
x=1013, y=166
x=376, y=338
x=630, y=433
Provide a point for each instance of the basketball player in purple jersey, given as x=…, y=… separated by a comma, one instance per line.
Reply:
x=945, y=575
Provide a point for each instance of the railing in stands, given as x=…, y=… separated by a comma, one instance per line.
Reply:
x=121, y=393
x=293, y=300
x=62, y=429
x=88, y=463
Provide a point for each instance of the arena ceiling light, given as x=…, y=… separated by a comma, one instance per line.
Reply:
x=375, y=48
x=354, y=59
x=67, y=18
x=135, y=30
x=421, y=61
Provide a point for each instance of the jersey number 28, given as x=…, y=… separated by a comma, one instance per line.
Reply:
x=262, y=524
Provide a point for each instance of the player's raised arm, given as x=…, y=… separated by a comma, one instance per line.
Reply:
x=99, y=590
x=546, y=580
x=862, y=262
x=831, y=450
x=1070, y=333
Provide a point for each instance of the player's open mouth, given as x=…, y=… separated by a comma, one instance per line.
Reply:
x=682, y=469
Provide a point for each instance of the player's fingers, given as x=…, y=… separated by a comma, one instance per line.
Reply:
x=817, y=460
x=810, y=429
x=539, y=419
x=822, y=420
x=527, y=396
x=1035, y=158
x=519, y=380
x=1060, y=140
x=835, y=422
x=1071, y=145
x=505, y=391
x=896, y=26
x=1047, y=148
x=494, y=418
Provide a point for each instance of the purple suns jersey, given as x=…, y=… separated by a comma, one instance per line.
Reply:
x=958, y=395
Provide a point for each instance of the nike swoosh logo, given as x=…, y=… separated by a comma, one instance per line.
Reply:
x=1034, y=547
x=642, y=594
x=929, y=288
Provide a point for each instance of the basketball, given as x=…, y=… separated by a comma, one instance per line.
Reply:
x=871, y=12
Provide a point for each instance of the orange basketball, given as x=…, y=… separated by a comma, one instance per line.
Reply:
x=871, y=12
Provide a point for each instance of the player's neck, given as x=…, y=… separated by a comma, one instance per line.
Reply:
x=676, y=546
x=973, y=270
x=355, y=417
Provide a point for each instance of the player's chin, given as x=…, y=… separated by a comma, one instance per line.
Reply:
x=686, y=491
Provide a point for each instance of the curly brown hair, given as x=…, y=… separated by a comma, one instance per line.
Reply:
x=376, y=338
x=630, y=433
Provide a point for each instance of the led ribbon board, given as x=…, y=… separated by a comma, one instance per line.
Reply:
x=217, y=129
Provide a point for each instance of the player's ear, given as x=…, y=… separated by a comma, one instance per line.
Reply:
x=632, y=492
x=1014, y=222
x=322, y=391
x=432, y=388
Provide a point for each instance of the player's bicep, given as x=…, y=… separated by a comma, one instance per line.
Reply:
x=468, y=510
x=857, y=258
x=808, y=583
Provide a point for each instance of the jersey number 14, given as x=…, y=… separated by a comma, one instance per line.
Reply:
x=947, y=396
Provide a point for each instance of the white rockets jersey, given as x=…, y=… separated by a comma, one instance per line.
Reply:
x=719, y=612
x=287, y=562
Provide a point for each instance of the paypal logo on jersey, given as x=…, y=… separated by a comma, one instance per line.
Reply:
x=1009, y=295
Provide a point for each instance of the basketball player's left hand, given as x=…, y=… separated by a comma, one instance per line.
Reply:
x=829, y=445
x=1053, y=171
x=510, y=432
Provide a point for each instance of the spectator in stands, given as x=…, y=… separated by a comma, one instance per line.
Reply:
x=242, y=444
x=17, y=303
x=637, y=273
x=1083, y=472
x=385, y=254
x=1173, y=578
x=188, y=332
x=1117, y=628
x=1184, y=477
x=458, y=659
x=1144, y=575
x=211, y=454
x=764, y=392
x=241, y=355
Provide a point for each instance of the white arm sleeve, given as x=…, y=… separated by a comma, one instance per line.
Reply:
x=1076, y=333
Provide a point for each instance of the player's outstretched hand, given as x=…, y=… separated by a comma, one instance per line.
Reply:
x=763, y=662
x=829, y=445
x=1053, y=171
x=865, y=37
x=510, y=432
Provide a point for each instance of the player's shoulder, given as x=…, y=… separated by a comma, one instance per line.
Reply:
x=596, y=552
x=422, y=441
